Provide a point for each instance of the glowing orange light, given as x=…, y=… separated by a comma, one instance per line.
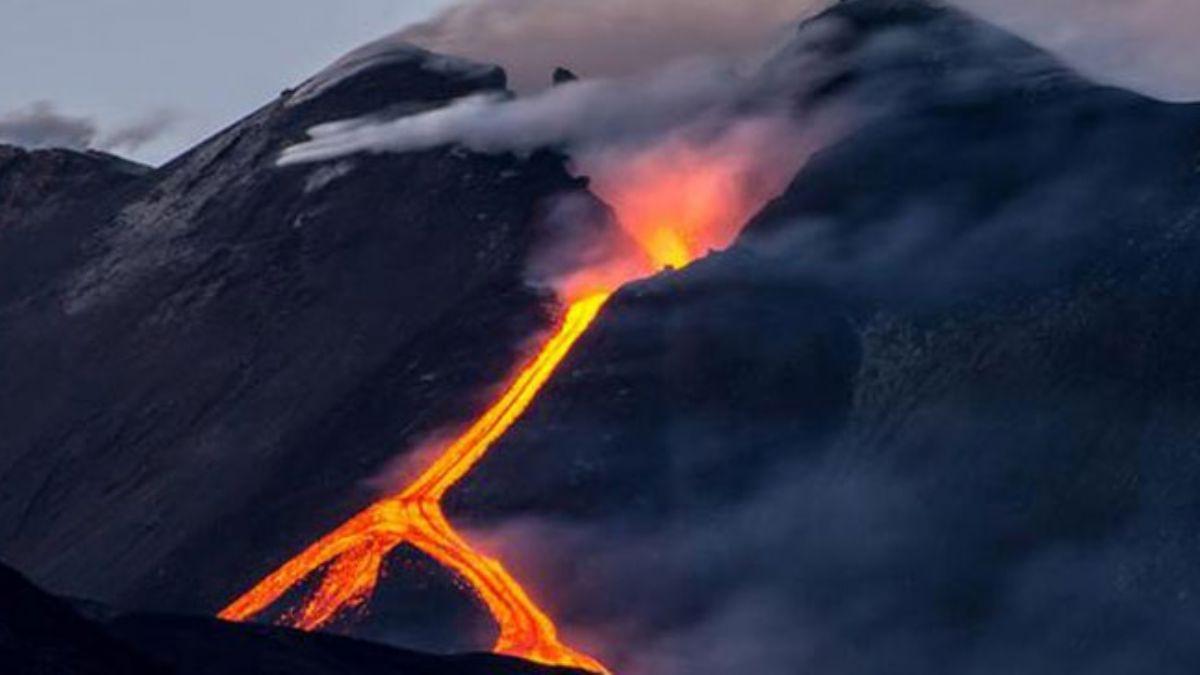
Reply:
x=680, y=199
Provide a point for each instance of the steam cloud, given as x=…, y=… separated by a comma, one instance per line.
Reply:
x=42, y=125
x=604, y=38
x=581, y=115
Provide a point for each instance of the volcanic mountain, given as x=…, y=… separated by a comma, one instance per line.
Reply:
x=934, y=411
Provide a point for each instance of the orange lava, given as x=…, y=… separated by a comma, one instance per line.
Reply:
x=682, y=197
x=353, y=554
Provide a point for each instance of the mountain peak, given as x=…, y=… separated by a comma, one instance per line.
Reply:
x=374, y=75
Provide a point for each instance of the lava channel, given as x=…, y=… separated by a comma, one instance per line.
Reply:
x=353, y=554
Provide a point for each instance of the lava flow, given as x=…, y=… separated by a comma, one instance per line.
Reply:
x=357, y=548
x=675, y=201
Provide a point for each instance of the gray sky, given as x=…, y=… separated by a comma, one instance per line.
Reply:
x=118, y=72
x=122, y=62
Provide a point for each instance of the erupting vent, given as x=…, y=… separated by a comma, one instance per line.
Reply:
x=677, y=200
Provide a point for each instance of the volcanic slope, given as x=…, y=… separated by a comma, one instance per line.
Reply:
x=934, y=412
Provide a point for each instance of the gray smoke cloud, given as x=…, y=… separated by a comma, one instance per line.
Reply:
x=138, y=133
x=43, y=125
x=604, y=38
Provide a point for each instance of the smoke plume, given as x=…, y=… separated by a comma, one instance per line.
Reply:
x=604, y=38
x=683, y=155
x=580, y=115
x=43, y=125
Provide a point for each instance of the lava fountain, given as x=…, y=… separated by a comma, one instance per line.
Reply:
x=677, y=199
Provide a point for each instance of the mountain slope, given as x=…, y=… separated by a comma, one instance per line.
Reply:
x=201, y=370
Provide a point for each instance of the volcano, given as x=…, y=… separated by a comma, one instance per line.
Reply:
x=930, y=408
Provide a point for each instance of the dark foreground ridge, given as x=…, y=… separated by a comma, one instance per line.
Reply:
x=42, y=635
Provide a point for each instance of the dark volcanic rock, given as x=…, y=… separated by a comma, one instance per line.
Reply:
x=42, y=635
x=37, y=185
x=563, y=76
x=197, y=646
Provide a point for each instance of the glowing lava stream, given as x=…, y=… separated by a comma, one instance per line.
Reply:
x=355, y=551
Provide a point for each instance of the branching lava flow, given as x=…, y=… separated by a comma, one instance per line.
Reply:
x=354, y=552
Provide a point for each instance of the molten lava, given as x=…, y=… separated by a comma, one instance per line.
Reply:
x=354, y=552
x=676, y=200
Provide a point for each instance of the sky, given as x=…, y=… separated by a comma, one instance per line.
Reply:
x=202, y=65
x=149, y=78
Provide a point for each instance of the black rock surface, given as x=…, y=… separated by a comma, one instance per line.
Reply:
x=42, y=635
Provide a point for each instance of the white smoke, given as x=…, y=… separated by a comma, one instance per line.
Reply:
x=579, y=115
